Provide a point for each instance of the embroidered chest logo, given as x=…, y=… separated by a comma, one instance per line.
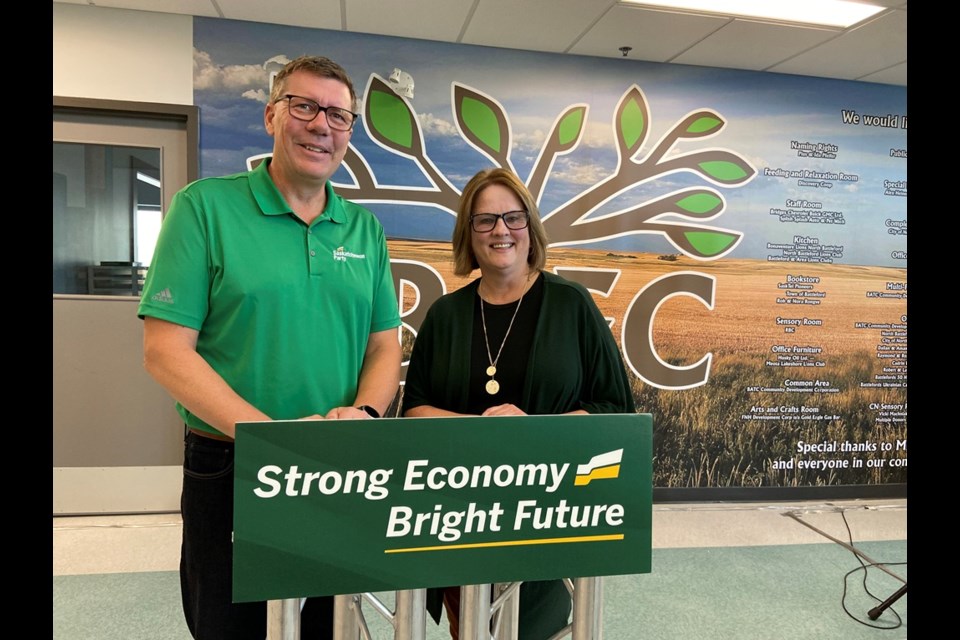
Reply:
x=342, y=255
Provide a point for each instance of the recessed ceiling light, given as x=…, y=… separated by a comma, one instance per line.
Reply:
x=833, y=13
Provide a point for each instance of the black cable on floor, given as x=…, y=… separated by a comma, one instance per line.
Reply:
x=864, y=567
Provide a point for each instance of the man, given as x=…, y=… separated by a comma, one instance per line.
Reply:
x=269, y=298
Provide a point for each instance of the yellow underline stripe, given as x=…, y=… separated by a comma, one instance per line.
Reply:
x=510, y=543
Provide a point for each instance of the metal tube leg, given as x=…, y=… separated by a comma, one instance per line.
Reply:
x=411, y=615
x=509, y=614
x=345, y=625
x=475, y=612
x=588, y=609
x=283, y=619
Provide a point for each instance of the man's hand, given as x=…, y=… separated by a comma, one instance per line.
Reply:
x=347, y=413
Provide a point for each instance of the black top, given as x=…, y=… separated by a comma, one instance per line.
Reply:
x=512, y=365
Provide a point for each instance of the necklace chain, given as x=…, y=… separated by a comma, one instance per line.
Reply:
x=492, y=385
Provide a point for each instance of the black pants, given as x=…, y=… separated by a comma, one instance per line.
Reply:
x=206, y=554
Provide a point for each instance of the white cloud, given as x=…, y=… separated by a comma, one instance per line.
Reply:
x=598, y=135
x=529, y=141
x=530, y=132
x=259, y=95
x=433, y=125
x=579, y=173
x=231, y=78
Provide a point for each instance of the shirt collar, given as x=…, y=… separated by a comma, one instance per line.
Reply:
x=272, y=202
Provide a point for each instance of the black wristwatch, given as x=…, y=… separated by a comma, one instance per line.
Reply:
x=370, y=411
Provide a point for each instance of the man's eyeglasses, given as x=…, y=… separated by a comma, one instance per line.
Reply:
x=514, y=220
x=306, y=109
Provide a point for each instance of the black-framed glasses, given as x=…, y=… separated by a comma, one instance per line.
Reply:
x=306, y=109
x=514, y=220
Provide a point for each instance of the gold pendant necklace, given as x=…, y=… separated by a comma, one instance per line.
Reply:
x=492, y=385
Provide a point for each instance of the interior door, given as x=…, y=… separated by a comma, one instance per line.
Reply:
x=117, y=440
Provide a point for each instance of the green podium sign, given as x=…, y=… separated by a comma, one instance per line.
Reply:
x=347, y=506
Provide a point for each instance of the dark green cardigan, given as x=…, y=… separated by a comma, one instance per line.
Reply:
x=574, y=364
x=574, y=361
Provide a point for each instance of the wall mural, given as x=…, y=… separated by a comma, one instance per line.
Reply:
x=744, y=233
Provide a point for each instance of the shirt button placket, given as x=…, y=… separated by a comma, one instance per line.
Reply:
x=313, y=251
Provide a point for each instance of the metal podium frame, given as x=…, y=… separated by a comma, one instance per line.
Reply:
x=481, y=617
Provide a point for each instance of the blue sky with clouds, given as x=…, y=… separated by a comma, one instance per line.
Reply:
x=764, y=113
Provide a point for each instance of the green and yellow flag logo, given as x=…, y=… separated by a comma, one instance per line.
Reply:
x=601, y=467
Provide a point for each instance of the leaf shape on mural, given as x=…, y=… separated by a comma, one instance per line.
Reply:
x=390, y=120
x=563, y=138
x=700, y=124
x=568, y=130
x=699, y=203
x=632, y=122
x=482, y=122
x=704, y=243
x=725, y=167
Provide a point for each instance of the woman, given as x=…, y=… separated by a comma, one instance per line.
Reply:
x=515, y=341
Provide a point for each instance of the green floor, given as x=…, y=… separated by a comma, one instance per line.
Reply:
x=791, y=592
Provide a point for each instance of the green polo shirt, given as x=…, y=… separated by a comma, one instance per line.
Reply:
x=283, y=309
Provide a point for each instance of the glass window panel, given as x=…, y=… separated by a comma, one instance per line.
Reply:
x=106, y=216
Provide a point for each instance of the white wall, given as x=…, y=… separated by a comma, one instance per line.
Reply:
x=115, y=54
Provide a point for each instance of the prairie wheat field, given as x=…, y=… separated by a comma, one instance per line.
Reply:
x=757, y=421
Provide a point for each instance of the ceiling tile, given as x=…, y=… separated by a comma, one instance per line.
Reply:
x=875, y=51
x=865, y=50
x=317, y=14
x=657, y=36
x=746, y=44
x=428, y=19
x=896, y=74
x=187, y=7
x=536, y=26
